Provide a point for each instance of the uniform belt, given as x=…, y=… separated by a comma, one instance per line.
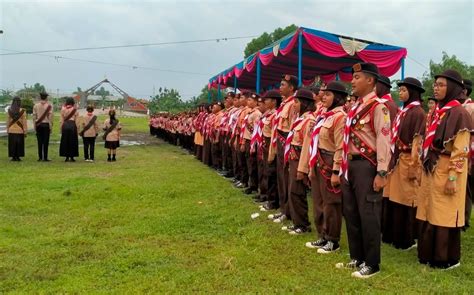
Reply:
x=282, y=133
x=355, y=157
x=297, y=147
x=325, y=152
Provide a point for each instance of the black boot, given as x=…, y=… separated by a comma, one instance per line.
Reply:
x=109, y=159
x=113, y=158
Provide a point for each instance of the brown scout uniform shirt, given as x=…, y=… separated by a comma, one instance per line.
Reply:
x=267, y=122
x=15, y=128
x=331, y=135
x=254, y=116
x=114, y=135
x=65, y=112
x=93, y=130
x=39, y=109
x=302, y=138
x=374, y=131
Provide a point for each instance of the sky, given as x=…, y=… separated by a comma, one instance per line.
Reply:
x=425, y=28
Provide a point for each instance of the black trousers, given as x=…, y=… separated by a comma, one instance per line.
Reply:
x=362, y=208
x=252, y=168
x=89, y=146
x=42, y=135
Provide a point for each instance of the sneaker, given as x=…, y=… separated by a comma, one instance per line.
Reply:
x=316, y=244
x=240, y=185
x=248, y=191
x=280, y=219
x=266, y=208
x=329, y=248
x=353, y=264
x=365, y=272
x=453, y=266
x=274, y=216
x=411, y=247
x=288, y=227
x=300, y=230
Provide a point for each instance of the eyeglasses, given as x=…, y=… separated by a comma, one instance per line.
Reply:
x=439, y=85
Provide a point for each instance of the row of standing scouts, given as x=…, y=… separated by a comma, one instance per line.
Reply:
x=71, y=126
x=396, y=175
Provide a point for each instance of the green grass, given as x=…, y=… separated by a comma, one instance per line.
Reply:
x=158, y=221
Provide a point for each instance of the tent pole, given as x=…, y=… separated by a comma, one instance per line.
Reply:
x=337, y=76
x=257, y=86
x=300, y=57
x=403, y=68
x=235, y=84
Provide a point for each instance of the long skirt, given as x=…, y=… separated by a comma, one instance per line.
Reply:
x=16, y=145
x=439, y=246
x=400, y=226
x=69, y=146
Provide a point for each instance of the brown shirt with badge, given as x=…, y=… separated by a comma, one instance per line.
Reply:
x=19, y=126
x=267, y=119
x=254, y=116
x=332, y=134
x=371, y=134
x=302, y=141
x=287, y=115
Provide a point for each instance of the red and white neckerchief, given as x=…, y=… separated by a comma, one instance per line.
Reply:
x=467, y=101
x=396, y=124
x=290, y=136
x=277, y=119
x=313, y=147
x=347, y=132
x=223, y=123
x=234, y=120
x=242, y=128
x=257, y=135
x=436, y=119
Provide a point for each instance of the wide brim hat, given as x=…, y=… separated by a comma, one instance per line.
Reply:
x=366, y=67
x=467, y=84
x=412, y=82
x=336, y=86
x=385, y=80
x=275, y=94
x=304, y=94
x=451, y=75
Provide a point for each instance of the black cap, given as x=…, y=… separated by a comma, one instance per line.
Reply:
x=304, y=94
x=451, y=75
x=467, y=84
x=366, y=67
x=272, y=94
x=43, y=95
x=293, y=80
x=385, y=80
x=336, y=86
x=412, y=82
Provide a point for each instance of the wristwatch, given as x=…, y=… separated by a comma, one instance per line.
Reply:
x=452, y=178
x=382, y=173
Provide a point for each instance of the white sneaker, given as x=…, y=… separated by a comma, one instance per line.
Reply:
x=275, y=215
x=288, y=227
x=365, y=272
x=280, y=219
x=453, y=266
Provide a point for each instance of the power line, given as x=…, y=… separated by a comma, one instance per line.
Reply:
x=130, y=45
x=133, y=67
x=419, y=63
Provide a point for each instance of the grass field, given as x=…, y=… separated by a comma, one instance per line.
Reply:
x=158, y=221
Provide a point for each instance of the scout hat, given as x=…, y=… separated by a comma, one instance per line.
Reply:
x=385, y=80
x=304, y=94
x=451, y=75
x=412, y=82
x=336, y=86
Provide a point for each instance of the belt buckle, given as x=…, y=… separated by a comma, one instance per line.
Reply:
x=349, y=157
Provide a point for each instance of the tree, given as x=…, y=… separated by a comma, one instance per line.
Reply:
x=27, y=103
x=167, y=100
x=447, y=62
x=5, y=96
x=103, y=93
x=266, y=39
x=31, y=92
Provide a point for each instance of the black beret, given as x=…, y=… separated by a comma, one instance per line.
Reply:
x=366, y=67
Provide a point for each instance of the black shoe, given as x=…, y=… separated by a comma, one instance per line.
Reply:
x=18, y=159
x=39, y=160
x=316, y=244
x=299, y=230
x=72, y=160
x=46, y=160
x=13, y=159
x=67, y=160
x=353, y=264
x=366, y=272
x=249, y=191
x=330, y=247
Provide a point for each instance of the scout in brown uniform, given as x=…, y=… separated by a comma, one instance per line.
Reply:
x=43, y=123
x=252, y=117
x=112, y=128
x=257, y=140
x=383, y=91
x=216, y=136
x=325, y=161
x=198, y=136
x=297, y=154
x=224, y=135
x=468, y=104
x=244, y=175
x=284, y=118
x=442, y=194
x=366, y=154
x=89, y=130
x=206, y=151
x=16, y=129
x=400, y=227
x=272, y=100
x=69, y=146
x=234, y=137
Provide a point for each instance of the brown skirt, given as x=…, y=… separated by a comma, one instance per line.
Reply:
x=399, y=225
x=439, y=246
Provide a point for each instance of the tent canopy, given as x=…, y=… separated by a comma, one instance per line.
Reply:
x=308, y=53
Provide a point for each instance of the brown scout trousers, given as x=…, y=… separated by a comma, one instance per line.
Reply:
x=282, y=177
x=362, y=209
x=269, y=179
x=297, y=201
x=251, y=166
x=327, y=205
